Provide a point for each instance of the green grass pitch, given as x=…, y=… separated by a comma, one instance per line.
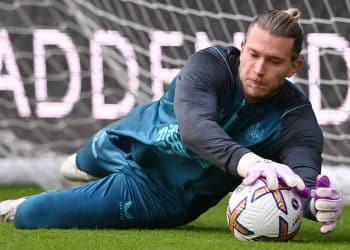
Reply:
x=207, y=232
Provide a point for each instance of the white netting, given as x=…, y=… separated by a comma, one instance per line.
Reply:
x=70, y=67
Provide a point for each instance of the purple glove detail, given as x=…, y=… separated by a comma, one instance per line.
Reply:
x=327, y=202
x=323, y=181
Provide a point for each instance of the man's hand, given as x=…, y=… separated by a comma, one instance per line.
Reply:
x=273, y=172
x=251, y=167
x=326, y=204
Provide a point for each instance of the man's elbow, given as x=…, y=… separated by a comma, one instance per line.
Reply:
x=190, y=139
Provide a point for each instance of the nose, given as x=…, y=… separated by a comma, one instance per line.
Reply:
x=259, y=67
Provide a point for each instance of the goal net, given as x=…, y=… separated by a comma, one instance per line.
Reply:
x=70, y=67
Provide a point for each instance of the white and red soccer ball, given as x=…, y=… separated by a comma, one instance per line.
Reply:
x=257, y=213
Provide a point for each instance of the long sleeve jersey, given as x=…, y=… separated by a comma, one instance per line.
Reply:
x=190, y=141
x=216, y=122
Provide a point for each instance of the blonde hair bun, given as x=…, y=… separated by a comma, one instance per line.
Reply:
x=294, y=12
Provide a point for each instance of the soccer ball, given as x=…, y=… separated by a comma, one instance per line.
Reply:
x=255, y=213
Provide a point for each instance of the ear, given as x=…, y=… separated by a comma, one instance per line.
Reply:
x=296, y=65
x=242, y=45
x=242, y=48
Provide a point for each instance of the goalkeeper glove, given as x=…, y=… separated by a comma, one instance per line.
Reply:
x=326, y=204
x=252, y=167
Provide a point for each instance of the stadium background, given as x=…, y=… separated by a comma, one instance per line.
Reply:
x=70, y=67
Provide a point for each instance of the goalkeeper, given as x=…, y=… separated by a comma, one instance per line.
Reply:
x=229, y=115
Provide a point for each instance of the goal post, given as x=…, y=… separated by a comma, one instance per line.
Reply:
x=70, y=67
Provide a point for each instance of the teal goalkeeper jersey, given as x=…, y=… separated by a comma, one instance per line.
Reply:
x=190, y=141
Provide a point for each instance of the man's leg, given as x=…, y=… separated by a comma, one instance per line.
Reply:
x=96, y=159
x=106, y=203
x=120, y=200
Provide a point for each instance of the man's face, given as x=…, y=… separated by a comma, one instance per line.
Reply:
x=266, y=60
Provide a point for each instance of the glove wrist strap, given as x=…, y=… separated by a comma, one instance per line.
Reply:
x=246, y=161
